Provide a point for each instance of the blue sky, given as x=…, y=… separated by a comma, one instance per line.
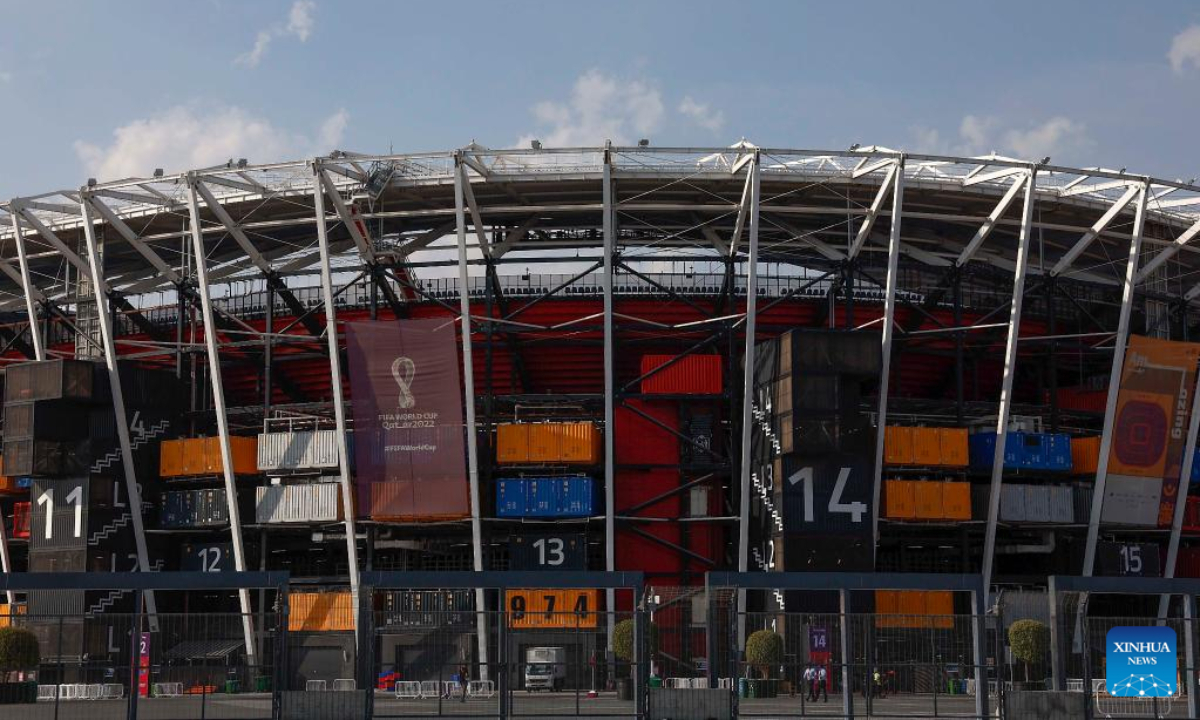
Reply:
x=111, y=89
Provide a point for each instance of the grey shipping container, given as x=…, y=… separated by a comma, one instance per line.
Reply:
x=193, y=508
x=1012, y=503
x=298, y=450
x=49, y=380
x=311, y=502
x=1062, y=504
x=1037, y=503
x=1082, y=496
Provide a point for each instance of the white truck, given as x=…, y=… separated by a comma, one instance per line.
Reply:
x=545, y=668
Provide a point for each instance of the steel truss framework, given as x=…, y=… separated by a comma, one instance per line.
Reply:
x=867, y=227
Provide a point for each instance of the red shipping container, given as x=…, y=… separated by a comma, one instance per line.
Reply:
x=1191, y=513
x=687, y=375
x=642, y=442
x=21, y=516
x=1187, y=564
x=707, y=540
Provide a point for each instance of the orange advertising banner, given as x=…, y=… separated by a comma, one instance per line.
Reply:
x=1149, y=429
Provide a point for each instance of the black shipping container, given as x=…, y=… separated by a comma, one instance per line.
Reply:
x=61, y=560
x=46, y=420
x=848, y=353
x=33, y=457
x=700, y=429
x=49, y=380
x=68, y=603
x=193, y=508
x=417, y=609
x=143, y=387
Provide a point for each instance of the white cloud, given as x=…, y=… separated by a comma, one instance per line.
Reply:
x=982, y=134
x=299, y=25
x=1185, y=48
x=188, y=136
x=300, y=19
x=701, y=114
x=1056, y=135
x=601, y=107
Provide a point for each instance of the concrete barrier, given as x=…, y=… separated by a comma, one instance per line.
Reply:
x=1045, y=705
x=681, y=704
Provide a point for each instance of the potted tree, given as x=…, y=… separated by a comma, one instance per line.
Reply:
x=764, y=651
x=1030, y=642
x=18, y=652
x=623, y=648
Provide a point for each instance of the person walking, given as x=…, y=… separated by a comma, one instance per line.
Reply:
x=808, y=683
x=463, y=680
x=820, y=684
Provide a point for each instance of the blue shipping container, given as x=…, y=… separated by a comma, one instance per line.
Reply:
x=1058, y=452
x=544, y=494
x=1196, y=465
x=511, y=497
x=982, y=447
x=577, y=497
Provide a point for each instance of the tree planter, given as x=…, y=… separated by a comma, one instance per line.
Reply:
x=18, y=693
x=624, y=689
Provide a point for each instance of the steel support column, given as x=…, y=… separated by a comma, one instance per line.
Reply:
x=339, y=405
x=1006, y=382
x=608, y=221
x=27, y=288
x=889, y=322
x=104, y=315
x=218, y=391
x=1185, y=474
x=1114, y=379
x=464, y=305
x=745, y=473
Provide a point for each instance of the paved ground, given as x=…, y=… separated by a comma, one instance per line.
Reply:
x=544, y=706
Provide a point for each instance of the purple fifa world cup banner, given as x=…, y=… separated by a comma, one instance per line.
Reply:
x=408, y=420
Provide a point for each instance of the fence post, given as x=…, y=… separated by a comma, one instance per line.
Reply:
x=1057, y=640
x=979, y=628
x=502, y=679
x=1087, y=660
x=1189, y=638
x=366, y=647
x=710, y=634
x=135, y=644
x=279, y=677
x=58, y=687
x=844, y=641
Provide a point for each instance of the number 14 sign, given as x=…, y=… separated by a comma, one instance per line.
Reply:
x=829, y=493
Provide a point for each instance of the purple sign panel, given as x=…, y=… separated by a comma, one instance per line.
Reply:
x=408, y=420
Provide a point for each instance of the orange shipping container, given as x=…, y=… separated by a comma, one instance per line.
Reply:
x=956, y=501
x=912, y=609
x=544, y=443
x=8, y=485
x=928, y=497
x=953, y=445
x=545, y=608
x=170, y=458
x=579, y=443
x=901, y=499
x=898, y=445
x=926, y=443
x=940, y=605
x=320, y=612
x=512, y=443
x=1085, y=455
x=887, y=604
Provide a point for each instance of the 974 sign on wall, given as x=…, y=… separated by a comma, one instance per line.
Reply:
x=537, y=609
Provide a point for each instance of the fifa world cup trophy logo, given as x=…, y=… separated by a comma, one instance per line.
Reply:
x=403, y=369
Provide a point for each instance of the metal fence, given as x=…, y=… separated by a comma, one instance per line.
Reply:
x=681, y=653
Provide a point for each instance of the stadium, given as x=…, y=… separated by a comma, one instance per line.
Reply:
x=351, y=435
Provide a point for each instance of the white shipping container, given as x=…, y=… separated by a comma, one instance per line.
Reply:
x=298, y=450
x=316, y=502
